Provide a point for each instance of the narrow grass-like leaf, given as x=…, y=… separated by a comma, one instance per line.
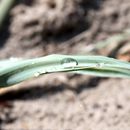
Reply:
x=17, y=70
x=5, y=6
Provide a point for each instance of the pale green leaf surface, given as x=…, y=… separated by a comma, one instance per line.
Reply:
x=18, y=70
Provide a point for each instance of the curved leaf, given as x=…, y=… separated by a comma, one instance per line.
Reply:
x=17, y=70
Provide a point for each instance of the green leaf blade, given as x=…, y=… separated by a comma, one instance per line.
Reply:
x=21, y=70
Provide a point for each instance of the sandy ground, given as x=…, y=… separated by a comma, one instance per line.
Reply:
x=64, y=101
